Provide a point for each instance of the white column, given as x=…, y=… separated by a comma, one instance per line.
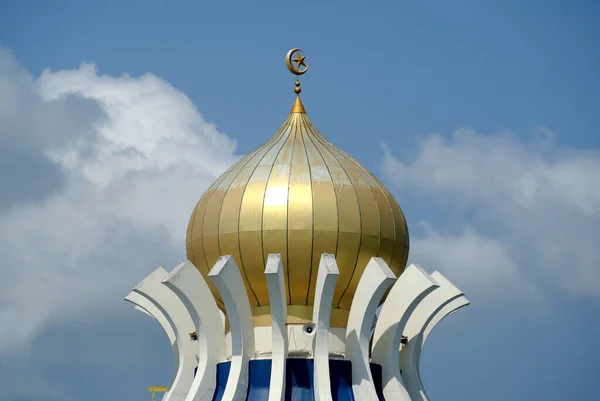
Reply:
x=408, y=291
x=375, y=280
x=189, y=286
x=418, y=322
x=181, y=322
x=276, y=286
x=326, y=279
x=142, y=304
x=226, y=276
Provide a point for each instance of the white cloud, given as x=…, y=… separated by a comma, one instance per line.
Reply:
x=132, y=156
x=534, y=208
x=474, y=262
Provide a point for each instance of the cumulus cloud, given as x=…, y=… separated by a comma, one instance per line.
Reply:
x=104, y=174
x=99, y=174
x=28, y=127
x=475, y=262
x=532, y=209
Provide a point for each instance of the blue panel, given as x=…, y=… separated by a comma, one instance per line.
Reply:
x=340, y=372
x=299, y=380
x=222, y=375
x=377, y=374
x=260, y=377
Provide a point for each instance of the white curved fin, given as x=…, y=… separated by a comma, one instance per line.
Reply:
x=424, y=314
x=375, y=280
x=326, y=279
x=277, y=300
x=186, y=282
x=226, y=276
x=181, y=322
x=143, y=305
x=408, y=291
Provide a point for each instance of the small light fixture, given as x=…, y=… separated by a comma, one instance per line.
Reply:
x=309, y=329
x=194, y=336
x=404, y=340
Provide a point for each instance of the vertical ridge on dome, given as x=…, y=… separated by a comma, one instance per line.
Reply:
x=252, y=165
x=275, y=211
x=300, y=219
x=370, y=224
x=200, y=211
x=368, y=239
x=325, y=208
x=311, y=260
x=211, y=243
x=228, y=221
x=348, y=225
x=250, y=225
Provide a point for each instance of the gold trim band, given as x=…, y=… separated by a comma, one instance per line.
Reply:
x=298, y=314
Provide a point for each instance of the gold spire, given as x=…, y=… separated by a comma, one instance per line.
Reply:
x=298, y=106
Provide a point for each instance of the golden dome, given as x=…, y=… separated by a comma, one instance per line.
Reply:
x=300, y=196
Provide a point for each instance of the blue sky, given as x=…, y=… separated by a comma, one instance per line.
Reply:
x=481, y=117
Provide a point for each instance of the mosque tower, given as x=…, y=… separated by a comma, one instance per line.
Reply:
x=291, y=254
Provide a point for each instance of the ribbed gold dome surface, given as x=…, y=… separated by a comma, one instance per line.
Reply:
x=300, y=196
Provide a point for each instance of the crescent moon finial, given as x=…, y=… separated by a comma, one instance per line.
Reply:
x=295, y=56
x=298, y=59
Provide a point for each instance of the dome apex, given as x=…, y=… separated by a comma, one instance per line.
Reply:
x=298, y=106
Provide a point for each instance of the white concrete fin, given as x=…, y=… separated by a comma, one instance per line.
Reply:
x=140, y=309
x=144, y=305
x=277, y=299
x=430, y=305
x=375, y=280
x=445, y=311
x=175, y=312
x=223, y=318
x=410, y=354
x=189, y=286
x=326, y=280
x=226, y=276
x=408, y=291
x=410, y=358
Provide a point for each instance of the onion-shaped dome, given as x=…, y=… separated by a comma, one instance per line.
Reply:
x=300, y=196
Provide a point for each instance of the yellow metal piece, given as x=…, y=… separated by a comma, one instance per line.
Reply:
x=157, y=389
x=298, y=314
x=299, y=60
x=300, y=196
x=298, y=106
